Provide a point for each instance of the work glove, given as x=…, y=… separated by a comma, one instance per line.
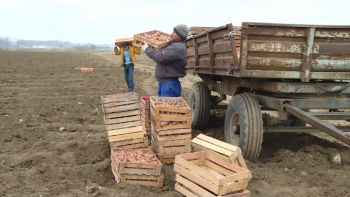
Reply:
x=144, y=46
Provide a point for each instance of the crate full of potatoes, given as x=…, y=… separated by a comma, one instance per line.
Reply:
x=155, y=39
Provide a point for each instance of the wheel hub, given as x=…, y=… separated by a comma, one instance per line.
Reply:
x=234, y=129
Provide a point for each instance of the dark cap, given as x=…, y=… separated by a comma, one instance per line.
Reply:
x=125, y=44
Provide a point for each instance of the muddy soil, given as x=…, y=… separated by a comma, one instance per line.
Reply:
x=53, y=142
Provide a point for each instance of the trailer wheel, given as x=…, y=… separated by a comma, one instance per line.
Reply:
x=294, y=121
x=199, y=102
x=244, y=125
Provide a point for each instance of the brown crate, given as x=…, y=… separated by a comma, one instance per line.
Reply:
x=140, y=167
x=171, y=146
x=124, y=134
x=120, y=41
x=191, y=189
x=169, y=111
x=212, y=172
x=145, y=36
x=225, y=151
x=130, y=143
x=147, y=180
x=170, y=134
x=166, y=158
x=121, y=111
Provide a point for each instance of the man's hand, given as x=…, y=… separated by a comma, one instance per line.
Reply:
x=144, y=46
x=116, y=46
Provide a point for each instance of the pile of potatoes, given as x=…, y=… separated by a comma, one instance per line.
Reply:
x=174, y=103
x=156, y=37
x=136, y=156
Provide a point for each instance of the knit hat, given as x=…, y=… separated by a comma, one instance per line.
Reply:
x=181, y=30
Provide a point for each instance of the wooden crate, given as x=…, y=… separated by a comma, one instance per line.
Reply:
x=225, y=151
x=143, y=168
x=212, y=172
x=190, y=189
x=171, y=146
x=166, y=158
x=147, y=180
x=124, y=134
x=130, y=143
x=169, y=112
x=141, y=37
x=121, y=111
x=166, y=123
x=170, y=134
x=120, y=41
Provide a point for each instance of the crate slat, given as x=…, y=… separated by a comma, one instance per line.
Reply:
x=122, y=114
x=219, y=148
x=171, y=146
x=130, y=143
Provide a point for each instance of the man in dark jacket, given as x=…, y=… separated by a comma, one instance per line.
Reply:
x=171, y=62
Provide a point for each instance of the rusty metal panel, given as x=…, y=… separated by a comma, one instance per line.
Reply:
x=290, y=51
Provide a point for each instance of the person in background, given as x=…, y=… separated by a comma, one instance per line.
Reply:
x=128, y=61
x=171, y=62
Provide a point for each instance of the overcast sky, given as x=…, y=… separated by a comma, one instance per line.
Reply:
x=102, y=21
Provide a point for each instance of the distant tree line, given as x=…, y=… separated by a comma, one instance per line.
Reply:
x=5, y=43
x=53, y=43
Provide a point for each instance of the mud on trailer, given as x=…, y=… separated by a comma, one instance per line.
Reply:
x=287, y=69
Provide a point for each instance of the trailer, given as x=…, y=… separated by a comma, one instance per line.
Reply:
x=300, y=73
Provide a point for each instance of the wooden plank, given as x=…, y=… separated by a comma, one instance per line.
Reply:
x=241, y=162
x=122, y=108
x=212, y=146
x=212, y=172
x=125, y=136
x=233, y=187
x=218, y=168
x=194, y=187
x=124, y=131
x=221, y=144
x=197, y=148
x=122, y=114
x=120, y=97
x=123, y=125
x=184, y=191
x=122, y=120
x=115, y=104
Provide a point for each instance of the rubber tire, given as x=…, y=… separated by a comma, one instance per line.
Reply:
x=294, y=121
x=249, y=136
x=199, y=102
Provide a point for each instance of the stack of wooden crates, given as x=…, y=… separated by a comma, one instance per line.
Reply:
x=171, y=131
x=123, y=121
x=215, y=168
x=125, y=134
x=145, y=115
